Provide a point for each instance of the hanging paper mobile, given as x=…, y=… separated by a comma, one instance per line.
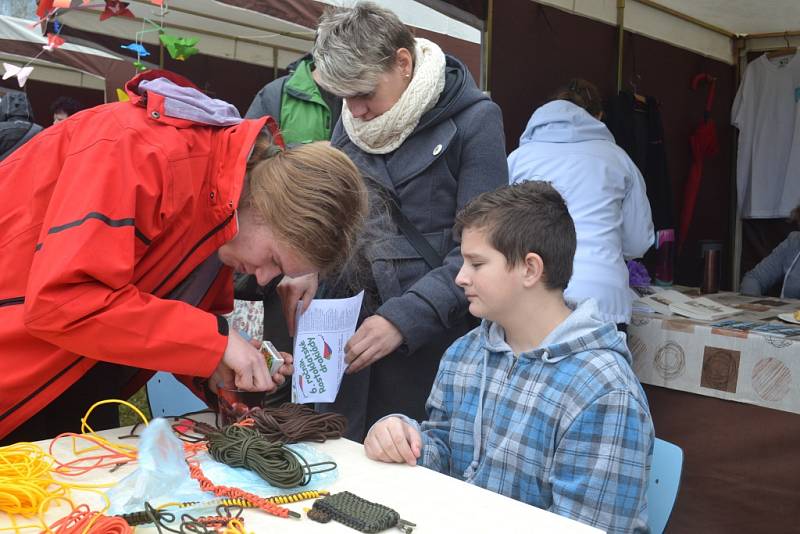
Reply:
x=115, y=8
x=140, y=50
x=138, y=65
x=53, y=42
x=179, y=47
x=21, y=73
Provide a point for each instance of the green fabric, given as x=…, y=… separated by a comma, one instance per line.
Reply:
x=305, y=117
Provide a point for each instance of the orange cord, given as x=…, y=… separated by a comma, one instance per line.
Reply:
x=236, y=493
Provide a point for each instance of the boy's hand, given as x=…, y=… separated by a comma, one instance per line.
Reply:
x=393, y=440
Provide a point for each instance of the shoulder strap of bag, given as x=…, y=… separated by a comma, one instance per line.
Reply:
x=414, y=236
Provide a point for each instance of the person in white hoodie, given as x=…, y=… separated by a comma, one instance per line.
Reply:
x=566, y=144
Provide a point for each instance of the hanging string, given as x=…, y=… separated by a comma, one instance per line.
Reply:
x=292, y=423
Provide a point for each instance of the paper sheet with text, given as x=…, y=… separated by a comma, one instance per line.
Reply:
x=322, y=332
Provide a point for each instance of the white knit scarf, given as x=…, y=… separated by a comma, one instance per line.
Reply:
x=386, y=132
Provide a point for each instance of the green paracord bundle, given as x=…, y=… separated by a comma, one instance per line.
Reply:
x=357, y=513
x=239, y=446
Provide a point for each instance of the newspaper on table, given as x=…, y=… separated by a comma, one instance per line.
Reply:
x=319, y=341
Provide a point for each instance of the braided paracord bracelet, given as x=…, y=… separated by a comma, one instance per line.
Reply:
x=357, y=513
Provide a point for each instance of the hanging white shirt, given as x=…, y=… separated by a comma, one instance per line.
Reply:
x=767, y=112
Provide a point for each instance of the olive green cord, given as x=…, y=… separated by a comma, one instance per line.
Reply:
x=239, y=446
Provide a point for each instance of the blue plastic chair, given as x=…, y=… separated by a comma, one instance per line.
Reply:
x=665, y=479
x=168, y=397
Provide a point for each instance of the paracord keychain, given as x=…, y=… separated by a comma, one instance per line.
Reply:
x=357, y=513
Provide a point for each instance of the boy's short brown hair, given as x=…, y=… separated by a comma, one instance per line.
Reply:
x=522, y=218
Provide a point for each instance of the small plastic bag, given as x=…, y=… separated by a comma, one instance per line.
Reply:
x=162, y=475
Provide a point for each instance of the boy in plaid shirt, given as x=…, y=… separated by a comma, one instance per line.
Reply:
x=539, y=403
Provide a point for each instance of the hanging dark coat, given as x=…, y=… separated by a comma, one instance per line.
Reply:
x=638, y=130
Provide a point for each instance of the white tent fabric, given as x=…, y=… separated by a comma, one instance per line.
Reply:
x=15, y=29
x=739, y=17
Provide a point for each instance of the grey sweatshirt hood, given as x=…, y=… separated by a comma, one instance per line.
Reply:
x=580, y=332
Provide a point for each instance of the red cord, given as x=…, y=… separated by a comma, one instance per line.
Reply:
x=79, y=519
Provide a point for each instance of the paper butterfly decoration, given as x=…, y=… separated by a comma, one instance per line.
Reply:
x=53, y=42
x=115, y=8
x=138, y=65
x=179, y=47
x=138, y=48
x=21, y=73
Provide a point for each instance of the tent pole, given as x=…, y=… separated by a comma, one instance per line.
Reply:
x=772, y=34
x=487, y=52
x=740, y=48
x=620, y=41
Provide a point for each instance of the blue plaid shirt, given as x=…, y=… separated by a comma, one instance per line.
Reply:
x=565, y=427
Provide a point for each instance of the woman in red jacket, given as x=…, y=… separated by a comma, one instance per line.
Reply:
x=120, y=229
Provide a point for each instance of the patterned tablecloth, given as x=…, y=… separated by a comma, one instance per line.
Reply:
x=690, y=355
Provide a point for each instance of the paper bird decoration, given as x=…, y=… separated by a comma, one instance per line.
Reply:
x=115, y=8
x=53, y=42
x=138, y=48
x=179, y=47
x=21, y=73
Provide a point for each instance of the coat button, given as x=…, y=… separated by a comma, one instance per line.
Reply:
x=155, y=114
x=437, y=150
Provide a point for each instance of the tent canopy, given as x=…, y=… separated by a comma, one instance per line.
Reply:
x=712, y=24
x=71, y=64
x=224, y=31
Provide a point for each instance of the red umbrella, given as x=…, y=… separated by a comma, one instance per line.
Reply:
x=704, y=144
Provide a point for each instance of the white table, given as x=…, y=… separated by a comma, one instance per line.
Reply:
x=436, y=503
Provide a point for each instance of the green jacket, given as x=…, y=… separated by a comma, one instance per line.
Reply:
x=296, y=102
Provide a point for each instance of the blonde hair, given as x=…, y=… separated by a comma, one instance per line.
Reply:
x=311, y=196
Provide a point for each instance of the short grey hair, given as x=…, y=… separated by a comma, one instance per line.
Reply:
x=355, y=45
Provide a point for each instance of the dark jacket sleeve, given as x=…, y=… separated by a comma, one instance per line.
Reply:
x=434, y=303
x=267, y=101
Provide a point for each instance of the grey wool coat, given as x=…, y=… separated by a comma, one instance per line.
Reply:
x=456, y=152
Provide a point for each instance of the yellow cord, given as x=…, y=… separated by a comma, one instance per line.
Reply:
x=27, y=485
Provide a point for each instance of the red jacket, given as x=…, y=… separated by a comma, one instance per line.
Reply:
x=101, y=217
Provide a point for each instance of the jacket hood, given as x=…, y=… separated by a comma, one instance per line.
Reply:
x=182, y=99
x=582, y=331
x=459, y=93
x=15, y=107
x=560, y=121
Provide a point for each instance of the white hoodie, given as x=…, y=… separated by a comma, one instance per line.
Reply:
x=605, y=194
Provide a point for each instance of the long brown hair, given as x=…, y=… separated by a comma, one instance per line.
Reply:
x=312, y=197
